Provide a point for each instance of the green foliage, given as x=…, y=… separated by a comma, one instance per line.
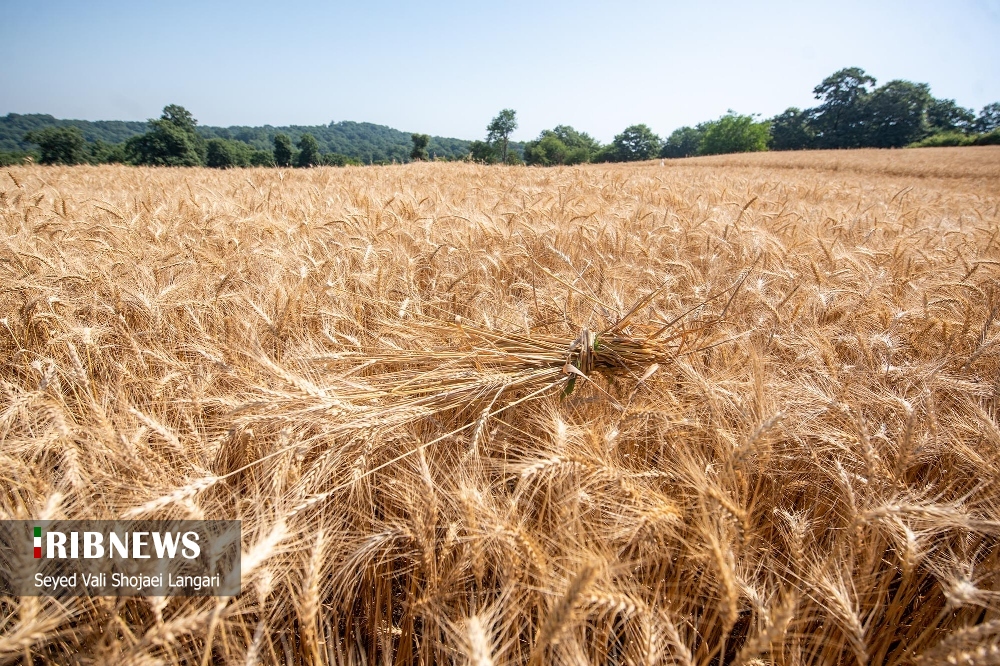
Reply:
x=636, y=142
x=605, y=154
x=483, y=152
x=546, y=151
x=791, y=130
x=945, y=139
x=989, y=138
x=581, y=145
x=366, y=142
x=896, y=114
x=12, y=157
x=944, y=115
x=220, y=155
x=14, y=126
x=284, y=153
x=561, y=145
x=839, y=121
x=855, y=114
x=261, y=158
x=499, y=130
x=59, y=145
x=226, y=153
x=954, y=138
x=100, y=152
x=682, y=142
x=171, y=141
x=164, y=146
x=734, y=133
x=419, y=152
x=309, y=155
x=336, y=159
x=989, y=118
x=179, y=117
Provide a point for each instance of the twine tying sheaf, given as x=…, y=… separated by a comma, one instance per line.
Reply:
x=584, y=347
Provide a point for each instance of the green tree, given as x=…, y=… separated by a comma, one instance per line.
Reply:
x=284, y=153
x=336, y=159
x=839, y=121
x=636, y=142
x=989, y=118
x=682, y=142
x=225, y=153
x=165, y=145
x=11, y=157
x=484, y=152
x=792, y=130
x=546, y=150
x=59, y=145
x=179, y=117
x=944, y=115
x=260, y=158
x=419, y=152
x=734, y=133
x=499, y=130
x=101, y=152
x=991, y=138
x=580, y=145
x=560, y=145
x=896, y=114
x=171, y=141
x=309, y=151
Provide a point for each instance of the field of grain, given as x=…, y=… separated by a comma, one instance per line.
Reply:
x=740, y=409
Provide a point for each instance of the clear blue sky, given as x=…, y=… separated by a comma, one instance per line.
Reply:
x=446, y=68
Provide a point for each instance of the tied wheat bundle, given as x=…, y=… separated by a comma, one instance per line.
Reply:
x=481, y=373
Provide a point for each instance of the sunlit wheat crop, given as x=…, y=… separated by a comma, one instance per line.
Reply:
x=740, y=409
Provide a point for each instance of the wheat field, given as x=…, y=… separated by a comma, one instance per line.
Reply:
x=729, y=410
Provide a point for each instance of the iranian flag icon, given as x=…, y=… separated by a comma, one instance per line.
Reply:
x=38, y=543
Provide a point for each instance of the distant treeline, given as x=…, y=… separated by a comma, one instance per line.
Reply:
x=105, y=141
x=852, y=113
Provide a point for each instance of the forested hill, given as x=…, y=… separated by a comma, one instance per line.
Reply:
x=366, y=142
x=363, y=141
x=14, y=126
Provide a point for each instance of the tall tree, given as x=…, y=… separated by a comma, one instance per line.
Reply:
x=419, y=152
x=636, y=142
x=484, y=152
x=791, y=130
x=944, y=115
x=682, y=142
x=226, y=153
x=546, y=150
x=179, y=117
x=560, y=145
x=896, y=114
x=839, y=120
x=309, y=151
x=171, y=141
x=283, y=150
x=989, y=118
x=59, y=145
x=734, y=133
x=500, y=129
x=101, y=152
